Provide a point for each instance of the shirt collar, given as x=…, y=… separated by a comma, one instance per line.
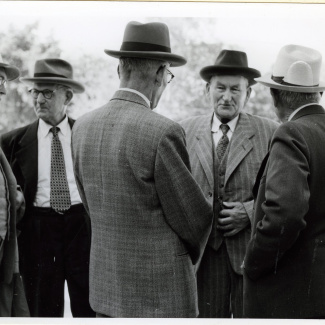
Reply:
x=138, y=93
x=44, y=128
x=298, y=109
x=216, y=123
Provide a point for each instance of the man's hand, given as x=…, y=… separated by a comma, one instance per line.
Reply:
x=233, y=218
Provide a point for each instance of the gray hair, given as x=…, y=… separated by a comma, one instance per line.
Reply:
x=138, y=66
x=293, y=100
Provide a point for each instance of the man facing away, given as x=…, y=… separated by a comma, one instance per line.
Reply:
x=12, y=297
x=55, y=240
x=285, y=260
x=150, y=221
x=226, y=148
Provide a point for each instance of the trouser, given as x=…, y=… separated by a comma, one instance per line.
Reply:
x=220, y=289
x=55, y=248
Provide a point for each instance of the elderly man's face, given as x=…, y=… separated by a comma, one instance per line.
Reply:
x=228, y=95
x=52, y=110
x=3, y=77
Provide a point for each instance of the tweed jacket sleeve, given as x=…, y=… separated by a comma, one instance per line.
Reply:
x=280, y=206
x=185, y=208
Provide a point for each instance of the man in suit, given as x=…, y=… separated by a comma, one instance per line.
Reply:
x=12, y=297
x=55, y=240
x=285, y=260
x=150, y=221
x=226, y=149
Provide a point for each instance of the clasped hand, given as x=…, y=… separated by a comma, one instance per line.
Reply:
x=232, y=218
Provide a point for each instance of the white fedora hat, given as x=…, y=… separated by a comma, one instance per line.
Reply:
x=11, y=71
x=297, y=68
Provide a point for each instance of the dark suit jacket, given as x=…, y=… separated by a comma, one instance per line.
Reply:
x=284, y=273
x=150, y=221
x=21, y=149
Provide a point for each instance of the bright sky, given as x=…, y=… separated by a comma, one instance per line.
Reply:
x=258, y=29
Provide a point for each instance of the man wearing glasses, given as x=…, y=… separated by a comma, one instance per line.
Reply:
x=133, y=173
x=55, y=235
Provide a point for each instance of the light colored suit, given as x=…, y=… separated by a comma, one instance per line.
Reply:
x=247, y=148
x=150, y=220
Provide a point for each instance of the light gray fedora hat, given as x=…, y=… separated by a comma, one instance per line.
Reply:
x=55, y=71
x=11, y=71
x=147, y=41
x=297, y=68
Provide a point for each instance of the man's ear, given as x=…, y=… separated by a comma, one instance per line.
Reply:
x=207, y=88
x=274, y=97
x=68, y=96
x=160, y=75
x=248, y=94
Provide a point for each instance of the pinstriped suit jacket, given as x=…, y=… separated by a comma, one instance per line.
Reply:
x=150, y=220
x=248, y=146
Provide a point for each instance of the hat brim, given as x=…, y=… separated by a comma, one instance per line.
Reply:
x=266, y=80
x=75, y=85
x=213, y=70
x=174, y=59
x=11, y=71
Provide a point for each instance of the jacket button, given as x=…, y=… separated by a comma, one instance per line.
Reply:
x=221, y=185
x=210, y=194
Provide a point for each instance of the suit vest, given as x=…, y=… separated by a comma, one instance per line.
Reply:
x=219, y=172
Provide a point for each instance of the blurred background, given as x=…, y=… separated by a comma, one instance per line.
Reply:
x=80, y=31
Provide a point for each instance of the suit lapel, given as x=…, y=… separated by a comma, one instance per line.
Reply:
x=240, y=144
x=204, y=147
x=27, y=158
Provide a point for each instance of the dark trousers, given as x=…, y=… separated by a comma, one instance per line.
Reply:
x=55, y=247
x=220, y=289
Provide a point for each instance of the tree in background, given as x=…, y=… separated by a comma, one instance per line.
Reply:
x=20, y=47
x=184, y=97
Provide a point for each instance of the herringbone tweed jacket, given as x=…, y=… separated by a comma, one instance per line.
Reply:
x=248, y=146
x=150, y=220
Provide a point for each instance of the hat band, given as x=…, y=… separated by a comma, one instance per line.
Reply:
x=145, y=47
x=279, y=80
x=41, y=75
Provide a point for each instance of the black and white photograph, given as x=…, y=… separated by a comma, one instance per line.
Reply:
x=161, y=162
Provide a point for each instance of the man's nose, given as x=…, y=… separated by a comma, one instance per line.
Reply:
x=227, y=95
x=40, y=98
x=3, y=90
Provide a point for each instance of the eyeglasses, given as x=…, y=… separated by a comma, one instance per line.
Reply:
x=170, y=76
x=47, y=93
x=3, y=81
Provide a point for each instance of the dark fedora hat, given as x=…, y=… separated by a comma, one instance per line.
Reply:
x=55, y=71
x=147, y=41
x=230, y=63
x=11, y=72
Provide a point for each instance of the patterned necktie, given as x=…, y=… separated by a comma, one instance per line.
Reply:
x=223, y=142
x=59, y=195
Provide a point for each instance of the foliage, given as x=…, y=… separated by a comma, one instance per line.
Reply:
x=184, y=97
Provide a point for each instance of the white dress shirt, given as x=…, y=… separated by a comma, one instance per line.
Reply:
x=44, y=136
x=138, y=93
x=217, y=133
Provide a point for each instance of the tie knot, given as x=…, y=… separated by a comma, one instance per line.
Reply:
x=54, y=130
x=224, y=128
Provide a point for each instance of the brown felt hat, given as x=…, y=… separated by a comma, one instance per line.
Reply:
x=55, y=71
x=230, y=63
x=147, y=41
